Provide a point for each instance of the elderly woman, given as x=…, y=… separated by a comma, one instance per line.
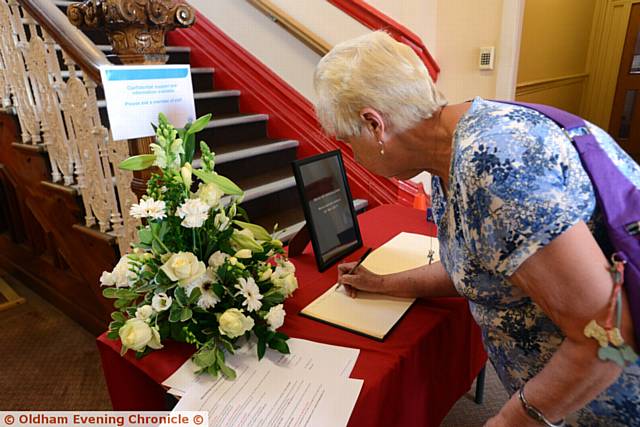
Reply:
x=520, y=235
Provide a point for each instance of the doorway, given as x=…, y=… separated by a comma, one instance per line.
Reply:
x=624, y=124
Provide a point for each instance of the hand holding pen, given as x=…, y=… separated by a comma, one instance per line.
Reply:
x=348, y=269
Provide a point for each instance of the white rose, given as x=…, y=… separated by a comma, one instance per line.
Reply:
x=217, y=259
x=275, y=317
x=144, y=313
x=233, y=323
x=243, y=253
x=161, y=302
x=184, y=268
x=210, y=194
x=284, y=280
x=121, y=276
x=136, y=334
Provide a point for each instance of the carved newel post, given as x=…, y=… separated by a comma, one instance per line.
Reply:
x=136, y=30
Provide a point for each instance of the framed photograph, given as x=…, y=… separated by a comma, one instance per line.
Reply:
x=328, y=207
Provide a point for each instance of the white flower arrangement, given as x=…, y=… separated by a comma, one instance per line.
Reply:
x=201, y=272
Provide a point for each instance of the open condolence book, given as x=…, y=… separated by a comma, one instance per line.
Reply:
x=370, y=314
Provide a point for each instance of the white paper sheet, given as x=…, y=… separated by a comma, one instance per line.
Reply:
x=268, y=395
x=323, y=359
x=135, y=94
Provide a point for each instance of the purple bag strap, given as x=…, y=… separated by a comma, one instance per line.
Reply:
x=617, y=197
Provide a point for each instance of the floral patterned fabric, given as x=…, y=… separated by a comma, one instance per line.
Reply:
x=515, y=184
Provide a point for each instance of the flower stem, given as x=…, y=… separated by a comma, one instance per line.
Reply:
x=193, y=230
x=155, y=236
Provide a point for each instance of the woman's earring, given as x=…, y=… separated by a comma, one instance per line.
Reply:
x=381, y=146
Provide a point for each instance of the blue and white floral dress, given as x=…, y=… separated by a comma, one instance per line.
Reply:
x=515, y=184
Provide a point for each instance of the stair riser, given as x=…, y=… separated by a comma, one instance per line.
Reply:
x=222, y=105
x=226, y=135
x=265, y=205
x=256, y=165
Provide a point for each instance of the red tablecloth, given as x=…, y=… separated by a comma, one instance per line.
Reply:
x=412, y=378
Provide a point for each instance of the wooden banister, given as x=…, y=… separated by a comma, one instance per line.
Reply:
x=376, y=20
x=290, y=24
x=73, y=41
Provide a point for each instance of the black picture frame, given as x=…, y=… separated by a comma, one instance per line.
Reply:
x=321, y=261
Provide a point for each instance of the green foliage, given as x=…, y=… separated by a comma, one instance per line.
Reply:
x=138, y=163
x=224, y=183
x=193, y=305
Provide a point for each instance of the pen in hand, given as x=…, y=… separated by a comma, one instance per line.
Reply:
x=360, y=261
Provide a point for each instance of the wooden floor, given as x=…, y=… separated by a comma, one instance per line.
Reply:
x=48, y=362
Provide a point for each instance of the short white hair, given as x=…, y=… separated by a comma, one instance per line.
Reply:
x=378, y=72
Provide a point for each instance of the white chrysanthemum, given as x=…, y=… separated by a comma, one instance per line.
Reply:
x=149, y=208
x=208, y=298
x=194, y=212
x=217, y=259
x=275, y=317
x=251, y=293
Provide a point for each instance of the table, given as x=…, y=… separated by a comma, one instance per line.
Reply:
x=413, y=378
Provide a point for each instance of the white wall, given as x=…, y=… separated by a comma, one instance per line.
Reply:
x=452, y=30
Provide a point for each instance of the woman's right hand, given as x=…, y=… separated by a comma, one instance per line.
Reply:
x=361, y=279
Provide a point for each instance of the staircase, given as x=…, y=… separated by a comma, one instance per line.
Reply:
x=50, y=239
x=260, y=165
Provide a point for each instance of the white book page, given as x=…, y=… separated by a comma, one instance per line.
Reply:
x=370, y=313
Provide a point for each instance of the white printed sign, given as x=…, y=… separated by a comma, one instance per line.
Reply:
x=135, y=94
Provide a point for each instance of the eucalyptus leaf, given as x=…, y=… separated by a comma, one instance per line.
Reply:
x=186, y=314
x=205, y=358
x=228, y=346
x=126, y=293
x=174, y=314
x=115, y=325
x=195, y=295
x=118, y=317
x=227, y=371
x=181, y=296
x=121, y=303
x=138, y=163
x=109, y=293
x=213, y=370
x=224, y=183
